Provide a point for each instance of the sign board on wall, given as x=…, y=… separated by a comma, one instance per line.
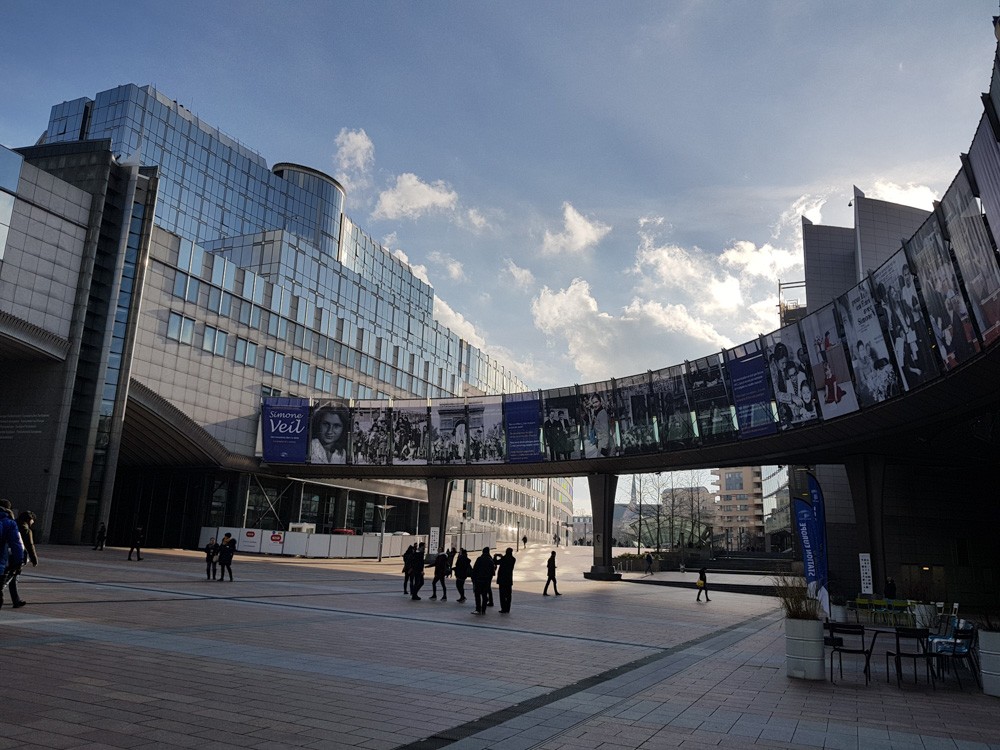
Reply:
x=865, y=560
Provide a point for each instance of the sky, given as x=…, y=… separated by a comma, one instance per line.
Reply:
x=593, y=189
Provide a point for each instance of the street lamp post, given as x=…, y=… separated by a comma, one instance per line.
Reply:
x=384, y=509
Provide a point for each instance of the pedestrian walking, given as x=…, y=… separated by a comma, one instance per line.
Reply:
x=11, y=547
x=211, y=558
x=137, y=539
x=451, y=560
x=416, y=572
x=102, y=534
x=550, y=577
x=505, y=580
x=407, y=557
x=482, y=575
x=25, y=521
x=649, y=564
x=702, y=585
x=227, y=549
x=463, y=570
x=524, y=541
x=441, y=571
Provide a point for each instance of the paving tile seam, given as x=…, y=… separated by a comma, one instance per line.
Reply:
x=469, y=730
x=170, y=595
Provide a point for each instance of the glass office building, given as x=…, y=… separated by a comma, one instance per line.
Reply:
x=227, y=282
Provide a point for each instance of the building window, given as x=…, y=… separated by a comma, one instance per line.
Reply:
x=180, y=328
x=274, y=362
x=300, y=371
x=246, y=352
x=215, y=341
x=324, y=380
x=734, y=480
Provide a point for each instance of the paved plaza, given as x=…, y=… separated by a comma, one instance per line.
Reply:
x=330, y=654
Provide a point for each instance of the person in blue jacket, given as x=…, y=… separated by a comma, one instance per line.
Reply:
x=11, y=546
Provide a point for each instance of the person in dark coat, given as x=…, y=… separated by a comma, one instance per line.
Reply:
x=416, y=571
x=505, y=580
x=137, y=539
x=482, y=576
x=451, y=560
x=702, y=585
x=550, y=569
x=649, y=564
x=211, y=558
x=102, y=534
x=407, y=556
x=463, y=570
x=441, y=571
x=25, y=520
x=226, y=552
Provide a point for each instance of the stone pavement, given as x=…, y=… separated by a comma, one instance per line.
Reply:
x=330, y=654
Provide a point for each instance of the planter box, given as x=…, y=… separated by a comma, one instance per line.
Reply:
x=838, y=613
x=804, y=652
x=925, y=616
x=989, y=661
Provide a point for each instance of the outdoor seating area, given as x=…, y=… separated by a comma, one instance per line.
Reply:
x=875, y=611
x=946, y=649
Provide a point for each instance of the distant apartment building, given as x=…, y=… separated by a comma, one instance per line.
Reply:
x=739, y=509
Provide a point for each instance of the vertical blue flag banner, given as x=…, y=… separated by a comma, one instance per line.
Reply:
x=284, y=426
x=822, y=570
x=805, y=523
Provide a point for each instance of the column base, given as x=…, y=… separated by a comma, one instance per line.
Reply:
x=602, y=573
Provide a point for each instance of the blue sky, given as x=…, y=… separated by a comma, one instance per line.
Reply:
x=594, y=189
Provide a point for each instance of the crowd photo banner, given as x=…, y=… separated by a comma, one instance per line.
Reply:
x=828, y=359
x=599, y=427
x=791, y=377
x=487, y=440
x=874, y=373
x=901, y=316
x=672, y=407
x=710, y=399
x=974, y=256
x=944, y=303
x=635, y=415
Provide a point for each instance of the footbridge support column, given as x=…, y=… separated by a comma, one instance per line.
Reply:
x=602, y=498
x=438, y=498
x=866, y=475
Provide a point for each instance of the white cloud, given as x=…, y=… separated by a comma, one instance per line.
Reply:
x=411, y=198
x=354, y=159
x=646, y=335
x=918, y=196
x=523, y=278
x=578, y=233
x=457, y=322
x=419, y=271
x=475, y=220
x=766, y=262
x=453, y=268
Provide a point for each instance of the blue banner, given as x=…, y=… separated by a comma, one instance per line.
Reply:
x=284, y=426
x=810, y=520
x=751, y=394
x=523, y=429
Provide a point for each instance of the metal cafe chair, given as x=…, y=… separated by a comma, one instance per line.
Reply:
x=959, y=648
x=862, y=609
x=848, y=638
x=880, y=611
x=911, y=643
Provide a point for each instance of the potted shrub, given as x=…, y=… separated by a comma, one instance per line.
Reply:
x=804, y=653
x=989, y=652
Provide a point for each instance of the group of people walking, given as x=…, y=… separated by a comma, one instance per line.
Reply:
x=17, y=546
x=457, y=563
x=219, y=557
